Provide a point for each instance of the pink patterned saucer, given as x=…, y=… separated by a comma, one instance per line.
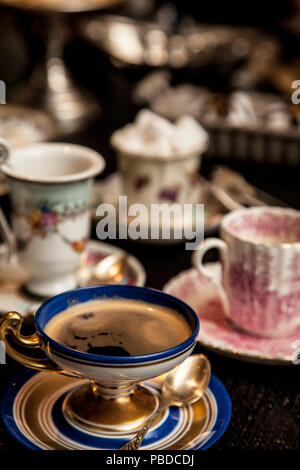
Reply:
x=217, y=333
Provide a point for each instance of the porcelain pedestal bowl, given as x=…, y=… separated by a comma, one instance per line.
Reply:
x=113, y=401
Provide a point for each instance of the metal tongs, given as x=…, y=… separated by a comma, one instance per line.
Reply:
x=234, y=192
x=240, y=190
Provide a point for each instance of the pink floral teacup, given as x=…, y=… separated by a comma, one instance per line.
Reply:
x=260, y=254
x=50, y=189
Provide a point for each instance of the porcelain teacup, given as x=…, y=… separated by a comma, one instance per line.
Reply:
x=260, y=254
x=157, y=180
x=50, y=187
x=108, y=400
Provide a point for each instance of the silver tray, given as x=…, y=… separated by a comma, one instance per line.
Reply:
x=60, y=6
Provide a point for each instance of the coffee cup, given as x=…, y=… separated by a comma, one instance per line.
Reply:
x=260, y=253
x=50, y=187
x=109, y=400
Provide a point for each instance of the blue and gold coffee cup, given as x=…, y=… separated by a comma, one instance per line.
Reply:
x=108, y=397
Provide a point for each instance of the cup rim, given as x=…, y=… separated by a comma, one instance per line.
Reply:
x=247, y=210
x=116, y=290
x=97, y=163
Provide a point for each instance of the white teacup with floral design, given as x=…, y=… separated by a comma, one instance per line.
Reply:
x=260, y=254
x=50, y=190
x=156, y=180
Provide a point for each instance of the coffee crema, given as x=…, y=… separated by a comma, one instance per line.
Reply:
x=118, y=327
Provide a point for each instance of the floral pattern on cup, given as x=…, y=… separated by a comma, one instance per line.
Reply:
x=44, y=219
x=154, y=180
x=169, y=194
x=141, y=182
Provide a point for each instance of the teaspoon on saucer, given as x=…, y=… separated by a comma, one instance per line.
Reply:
x=183, y=386
x=111, y=269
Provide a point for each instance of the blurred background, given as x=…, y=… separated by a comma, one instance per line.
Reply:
x=88, y=66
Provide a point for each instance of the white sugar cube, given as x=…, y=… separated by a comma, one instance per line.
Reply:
x=160, y=147
x=189, y=136
x=153, y=126
x=153, y=136
x=118, y=137
x=134, y=143
x=278, y=120
x=241, y=109
x=128, y=140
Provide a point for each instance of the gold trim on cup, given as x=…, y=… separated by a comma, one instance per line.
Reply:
x=10, y=325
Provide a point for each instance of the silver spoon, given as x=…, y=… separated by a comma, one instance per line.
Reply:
x=110, y=269
x=183, y=386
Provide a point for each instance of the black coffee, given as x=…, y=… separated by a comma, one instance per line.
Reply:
x=119, y=327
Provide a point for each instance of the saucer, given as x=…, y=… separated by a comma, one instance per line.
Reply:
x=22, y=126
x=108, y=190
x=216, y=331
x=32, y=411
x=14, y=297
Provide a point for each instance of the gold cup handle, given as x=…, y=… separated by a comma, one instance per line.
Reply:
x=10, y=325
